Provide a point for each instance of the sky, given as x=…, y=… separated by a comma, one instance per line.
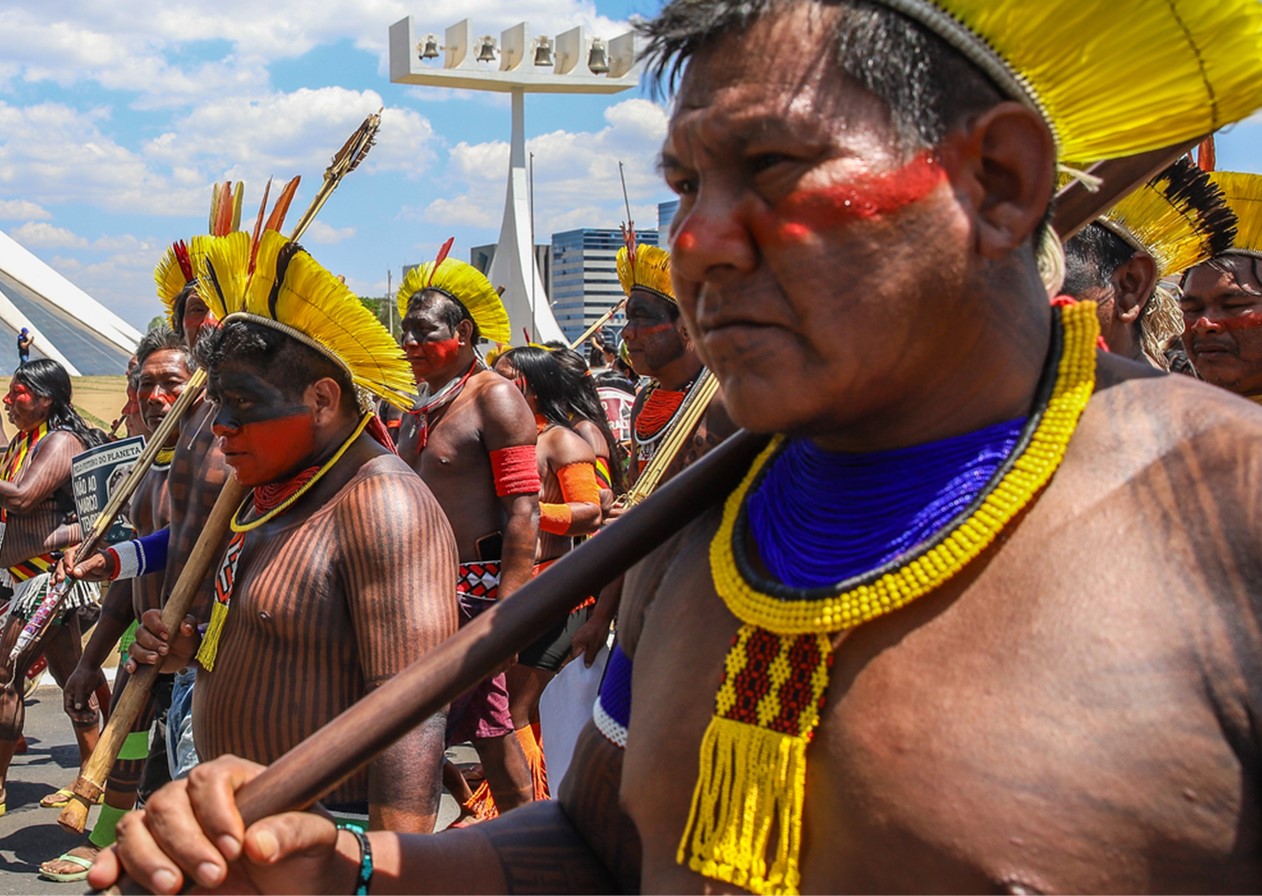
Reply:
x=116, y=118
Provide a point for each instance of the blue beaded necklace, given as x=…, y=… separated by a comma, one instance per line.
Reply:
x=821, y=517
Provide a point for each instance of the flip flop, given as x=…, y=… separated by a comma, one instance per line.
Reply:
x=59, y=799
x=66, y=877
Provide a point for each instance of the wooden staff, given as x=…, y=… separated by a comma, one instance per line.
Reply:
x=600, y=322
x=694, y=406
x=46, y=612
x=319, y=763
x=90, y=784
x=345, y=160
x=1077, y=205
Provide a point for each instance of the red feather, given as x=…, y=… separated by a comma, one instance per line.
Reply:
x=182, y=257
x=442, y=256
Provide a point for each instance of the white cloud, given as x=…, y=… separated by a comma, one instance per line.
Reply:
x=320, y=233
x=575, y=175
x=41, y=235
x=22, y=210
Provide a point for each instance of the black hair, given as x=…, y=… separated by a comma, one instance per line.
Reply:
x=48, y=379
x=544, y=375
x=181, y=302
x=584, y=403
x=927, y=85
x=163, y=339
x=283, y=361
x=1092, y=256
x=451, y=311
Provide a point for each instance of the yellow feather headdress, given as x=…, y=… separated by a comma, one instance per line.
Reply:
x=468, y=286
x=1244, y=195
x=648, y=268
x=1179, y=217
x=1111, y=80
x=177, y=268
x=291, y=292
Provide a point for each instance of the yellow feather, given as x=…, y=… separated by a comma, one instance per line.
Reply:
x=1113, y=79
x=652, y=271
x=1244, y=195
x=471, y=289
x=312, y=302
x=1179, y=218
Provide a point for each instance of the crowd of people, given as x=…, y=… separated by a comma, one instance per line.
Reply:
x=982, y=614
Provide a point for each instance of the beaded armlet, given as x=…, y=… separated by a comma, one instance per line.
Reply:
x=744, y=827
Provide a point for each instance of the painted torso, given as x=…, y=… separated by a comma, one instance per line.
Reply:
x=196, y=476
x=1071, y=713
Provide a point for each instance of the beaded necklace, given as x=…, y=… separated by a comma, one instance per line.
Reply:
x=752, y=778
x=660, y=408
x=443, y=397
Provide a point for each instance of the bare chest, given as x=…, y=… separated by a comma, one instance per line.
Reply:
x=1026, y=727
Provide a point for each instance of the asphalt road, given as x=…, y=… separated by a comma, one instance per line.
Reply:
x=30, y=835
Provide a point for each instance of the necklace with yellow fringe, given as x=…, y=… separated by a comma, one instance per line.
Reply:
x=226, y=577
x=752, y=778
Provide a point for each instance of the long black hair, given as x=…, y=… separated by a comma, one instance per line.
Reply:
x=48, y=379
x=583, y=402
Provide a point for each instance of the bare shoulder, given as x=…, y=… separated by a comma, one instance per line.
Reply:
x=562, y=446
x=505, y=416
x=687, y=548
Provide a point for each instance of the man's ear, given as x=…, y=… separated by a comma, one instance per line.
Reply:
x=1002, y=163
x=327, y=397
x=464, y=332
x=1133, y=285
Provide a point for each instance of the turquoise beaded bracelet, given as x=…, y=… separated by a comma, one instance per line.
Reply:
x=365, y=856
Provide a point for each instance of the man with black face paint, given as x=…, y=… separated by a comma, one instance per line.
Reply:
x=659, y=345
x=312, y=606
x=472, y=439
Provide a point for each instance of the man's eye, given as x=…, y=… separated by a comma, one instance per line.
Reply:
x=765, y=160
x=682, y=186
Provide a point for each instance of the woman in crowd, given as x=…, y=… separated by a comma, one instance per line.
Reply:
x=37, y=518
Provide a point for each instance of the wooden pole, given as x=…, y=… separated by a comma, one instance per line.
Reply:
x=1077, y=206
x=32, y=634
x=91, y=782
x=352, y=739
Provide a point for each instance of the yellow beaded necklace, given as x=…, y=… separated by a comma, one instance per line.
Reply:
x=238, y=526
x=753, y=757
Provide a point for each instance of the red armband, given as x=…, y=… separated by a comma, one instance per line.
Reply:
x=515, y=470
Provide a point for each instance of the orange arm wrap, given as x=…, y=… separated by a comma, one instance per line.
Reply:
x=555, y=518
x=515, y=470
x=578, y=486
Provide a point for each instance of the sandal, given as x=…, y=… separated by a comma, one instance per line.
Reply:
x=66, y=877
x=59, y=799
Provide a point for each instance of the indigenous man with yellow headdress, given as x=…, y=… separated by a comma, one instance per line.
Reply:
x=658, y=343
x=1222, y=298
x=1175, y=221
x=312, y=606
x=471, y=437
x=906, y=654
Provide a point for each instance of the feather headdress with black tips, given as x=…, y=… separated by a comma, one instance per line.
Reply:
x=1244, y=195
x=1111, y=80
x=289, y=291
x=464, y=283
x=1180, y=217
x=182, y=261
